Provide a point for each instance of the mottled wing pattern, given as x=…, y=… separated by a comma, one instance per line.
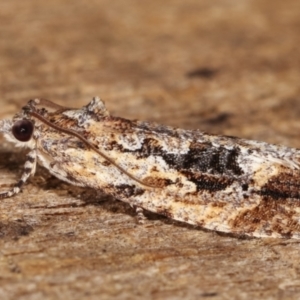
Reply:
x=217, y=182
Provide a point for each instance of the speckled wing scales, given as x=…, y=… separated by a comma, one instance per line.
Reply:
x=217, y=182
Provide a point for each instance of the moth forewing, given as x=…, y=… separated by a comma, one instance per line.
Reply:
x=217, y=182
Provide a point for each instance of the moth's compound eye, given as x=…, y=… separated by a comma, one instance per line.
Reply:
x=22, y=130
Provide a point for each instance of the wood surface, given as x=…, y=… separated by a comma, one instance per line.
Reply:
x=224, y=66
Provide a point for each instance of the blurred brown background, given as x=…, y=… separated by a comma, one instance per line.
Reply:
x=224, y=66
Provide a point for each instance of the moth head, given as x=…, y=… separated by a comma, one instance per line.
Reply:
x=20, y=130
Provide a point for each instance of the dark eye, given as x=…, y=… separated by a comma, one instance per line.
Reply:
x=22, y=130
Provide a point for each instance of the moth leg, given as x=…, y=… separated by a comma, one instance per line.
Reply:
x=140, y=217
x=29, y=169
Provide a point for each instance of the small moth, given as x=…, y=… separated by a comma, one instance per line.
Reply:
x=217, y=182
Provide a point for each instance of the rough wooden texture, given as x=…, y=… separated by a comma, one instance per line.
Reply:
x=224, y=66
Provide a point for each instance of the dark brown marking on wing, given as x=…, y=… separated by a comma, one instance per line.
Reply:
x=268, y=216
x=205, y=157
x=207, y=182
x=157, y=181
x=201, y=157
x=282, y=186
x=119, y=125
x=280, y=193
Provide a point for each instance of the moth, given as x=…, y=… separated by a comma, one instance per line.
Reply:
x=220, y=183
